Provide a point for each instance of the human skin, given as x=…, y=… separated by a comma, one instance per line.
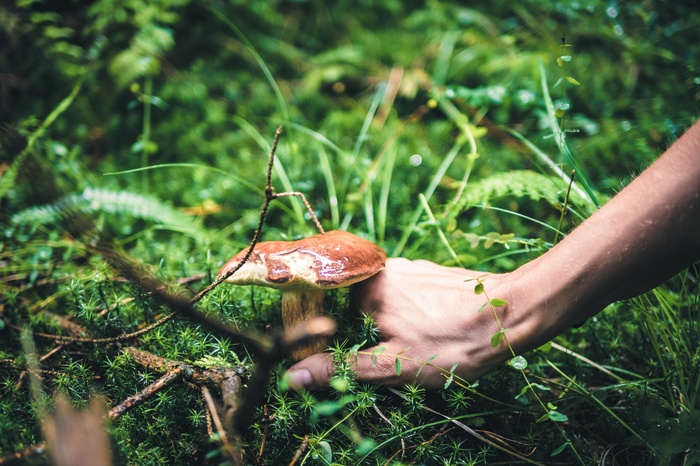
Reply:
x=645, y=234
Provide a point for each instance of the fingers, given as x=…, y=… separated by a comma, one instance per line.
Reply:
x=376, y=365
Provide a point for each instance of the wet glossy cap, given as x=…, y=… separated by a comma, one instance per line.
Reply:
x=331, y=260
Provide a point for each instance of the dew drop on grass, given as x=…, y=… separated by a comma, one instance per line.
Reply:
x=525, y=97
x=518, y=363
x=562, y=105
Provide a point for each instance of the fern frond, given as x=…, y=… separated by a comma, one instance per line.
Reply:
x=118, y=203
x=518, y=184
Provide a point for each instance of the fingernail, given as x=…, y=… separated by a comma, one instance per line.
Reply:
x=299, y=378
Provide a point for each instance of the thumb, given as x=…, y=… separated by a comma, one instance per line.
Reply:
x=370, y=365
x=312, y=372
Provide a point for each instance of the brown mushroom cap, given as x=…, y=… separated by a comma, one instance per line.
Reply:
x=303, y=270
x=331, y=260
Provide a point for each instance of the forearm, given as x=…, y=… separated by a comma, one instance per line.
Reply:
x=644, y=235
x=427, y=312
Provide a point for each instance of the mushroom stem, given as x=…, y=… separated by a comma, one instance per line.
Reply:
x=297, y=307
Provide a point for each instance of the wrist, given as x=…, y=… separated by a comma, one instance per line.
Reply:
x=517, y=315
x=540, y=306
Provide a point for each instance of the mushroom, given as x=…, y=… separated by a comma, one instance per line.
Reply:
x=303, y=270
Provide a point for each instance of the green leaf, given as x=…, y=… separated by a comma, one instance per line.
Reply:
x=151, y=147
x=563, y=59
x=556, y=416
x=340, y=384
x=497, y=338
x=573, y=81
x=325, y=450
x=491, y=238
x=50, y=17
x=553, y=415
x=158, y=102
x=431, y=359
x=561, y=448
x=26, y=3
x=483, y=306
x=327, y=408
x=522, y=393
x=473, y=239
x=366, y=445
x=448, y=382
x=398, y=366
x=496, y=302
x=479, y=288
x=546, y=347
x=54, y=32
x=504, y=238
x=377, y=351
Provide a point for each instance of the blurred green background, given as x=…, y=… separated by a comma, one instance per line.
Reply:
x=156, y=117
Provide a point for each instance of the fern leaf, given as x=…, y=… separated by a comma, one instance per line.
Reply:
x=118, y=203
x=518, y=184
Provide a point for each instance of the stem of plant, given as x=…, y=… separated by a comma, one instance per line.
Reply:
x=563, y=208
x=146, y=131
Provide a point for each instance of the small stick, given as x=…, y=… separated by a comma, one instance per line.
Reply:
x=24, y=373
x=563, y=209
x=270, y=195
x=265, y=419
x=302, y=448
x=210, y=429
x=117, y=339
x=146, y=393
x=21, y=457
x=307, y=205
x=211, y=407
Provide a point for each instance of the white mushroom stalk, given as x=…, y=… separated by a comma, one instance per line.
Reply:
x=299, y=306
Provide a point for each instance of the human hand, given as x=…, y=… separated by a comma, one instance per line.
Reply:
x=421, y=310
